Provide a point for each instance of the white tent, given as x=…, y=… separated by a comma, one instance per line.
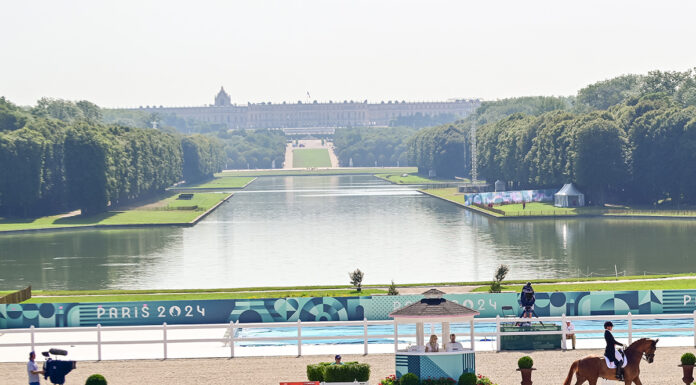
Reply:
x=568, y=196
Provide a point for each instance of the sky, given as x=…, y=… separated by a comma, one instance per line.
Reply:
x=179, y=53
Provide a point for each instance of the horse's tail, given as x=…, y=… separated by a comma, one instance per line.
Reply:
x=573, y=369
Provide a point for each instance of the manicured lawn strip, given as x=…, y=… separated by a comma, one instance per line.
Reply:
x=222, y=182
x=337, y=288
x=169, y=210
x=546, y=208
x=200, y=296
x=415, y=179
x=667, y=284
x=545, y=280
x=329, y=171
x=311, y=157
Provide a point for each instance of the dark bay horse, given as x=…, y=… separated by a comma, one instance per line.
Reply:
x=591, y=368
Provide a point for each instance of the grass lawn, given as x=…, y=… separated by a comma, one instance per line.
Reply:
x=449, y=194
x=199, y=296
x=665, y=284
x=311, y=157
x=331, y=171
x=222, y=182
x=169, y=210
x=545, y=208
x=414, y=179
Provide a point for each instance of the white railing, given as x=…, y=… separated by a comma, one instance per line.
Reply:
x=230, y=339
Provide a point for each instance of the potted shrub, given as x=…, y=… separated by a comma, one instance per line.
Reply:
x=467, y=379
x=687, y=364
x=524, y=365
x=409, y=379
x=96, y=379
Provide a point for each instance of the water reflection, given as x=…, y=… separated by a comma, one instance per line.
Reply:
x=313, y=230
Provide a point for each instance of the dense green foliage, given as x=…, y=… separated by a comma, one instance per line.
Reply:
x=144, y=119
x=443, y=149
x=409, y=379
x=640, y=151
x=467, y=379
x=525, y=362
x=386, y=146
x=95, y=379
x=629, y=139
x=348, y=372
x=244, y=148
x=203, y=157
x=688, y=359
x=254, y=149
x=58, y=156
x=315, y=372
x=681, y=86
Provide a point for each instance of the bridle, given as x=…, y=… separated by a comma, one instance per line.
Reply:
x=648, y=357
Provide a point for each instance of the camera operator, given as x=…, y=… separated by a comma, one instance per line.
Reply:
x=527, y=300
x=33, y=370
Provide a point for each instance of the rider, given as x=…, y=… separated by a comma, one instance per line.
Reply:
x=610, y=350
x=527, y=299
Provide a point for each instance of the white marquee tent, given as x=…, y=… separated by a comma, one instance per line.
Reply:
x=568, y=196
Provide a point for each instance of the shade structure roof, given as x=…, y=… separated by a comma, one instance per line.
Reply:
x=433, y=306
x=569, y=189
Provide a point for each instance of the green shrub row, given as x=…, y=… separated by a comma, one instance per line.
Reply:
x=348, y=372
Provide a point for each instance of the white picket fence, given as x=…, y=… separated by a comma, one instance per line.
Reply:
x=230, y=338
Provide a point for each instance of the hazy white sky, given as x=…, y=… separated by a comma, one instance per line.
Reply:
x=174, y=53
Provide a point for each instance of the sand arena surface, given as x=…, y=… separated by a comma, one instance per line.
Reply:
x=552, y=367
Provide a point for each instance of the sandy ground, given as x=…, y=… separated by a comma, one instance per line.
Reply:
x=552, y=367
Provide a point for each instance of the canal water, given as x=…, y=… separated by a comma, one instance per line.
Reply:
x=314, y=230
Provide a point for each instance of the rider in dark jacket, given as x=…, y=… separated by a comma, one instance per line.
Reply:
x=527, y=300
x=610, y=350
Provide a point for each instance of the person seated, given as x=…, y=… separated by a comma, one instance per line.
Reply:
x=431, y=346
x=337, y=360
x=571, y=332
x=453, y=345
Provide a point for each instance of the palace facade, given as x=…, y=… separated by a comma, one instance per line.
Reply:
x=331, y=114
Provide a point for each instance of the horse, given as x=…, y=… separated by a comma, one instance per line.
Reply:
x=592, y=367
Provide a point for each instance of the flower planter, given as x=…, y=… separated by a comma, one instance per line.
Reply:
x=688, y=373
x=526, y=376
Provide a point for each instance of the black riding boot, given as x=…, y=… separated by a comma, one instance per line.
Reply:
x=619, y=372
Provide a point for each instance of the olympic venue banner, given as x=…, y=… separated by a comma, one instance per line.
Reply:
x=375, y=307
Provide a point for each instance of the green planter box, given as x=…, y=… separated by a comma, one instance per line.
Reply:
x=531, y=342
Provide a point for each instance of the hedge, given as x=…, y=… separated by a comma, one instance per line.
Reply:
x=348, y=372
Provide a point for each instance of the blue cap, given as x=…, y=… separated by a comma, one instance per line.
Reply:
x=338, y=356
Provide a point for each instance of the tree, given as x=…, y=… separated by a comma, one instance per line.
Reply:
x=500, y=274
x=597, y=155
x=392, y=289
x=356, y=278
x=607, y=93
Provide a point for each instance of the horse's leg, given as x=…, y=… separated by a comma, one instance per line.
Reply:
x=579, y=380
x=637, y=381
x=592, y=381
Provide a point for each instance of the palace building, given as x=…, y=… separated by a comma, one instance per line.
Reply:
x=314, y=114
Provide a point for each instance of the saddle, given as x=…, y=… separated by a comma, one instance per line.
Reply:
x=620, y=356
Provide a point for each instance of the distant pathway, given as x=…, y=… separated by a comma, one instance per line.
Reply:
x=288, y=156
x=332, y=156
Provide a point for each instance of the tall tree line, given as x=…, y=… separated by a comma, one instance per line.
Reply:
x=631, y=139
x=57, y=156
x=386, y=146
x=253, y=148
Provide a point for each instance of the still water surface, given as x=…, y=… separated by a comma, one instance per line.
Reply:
x=314, y=230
